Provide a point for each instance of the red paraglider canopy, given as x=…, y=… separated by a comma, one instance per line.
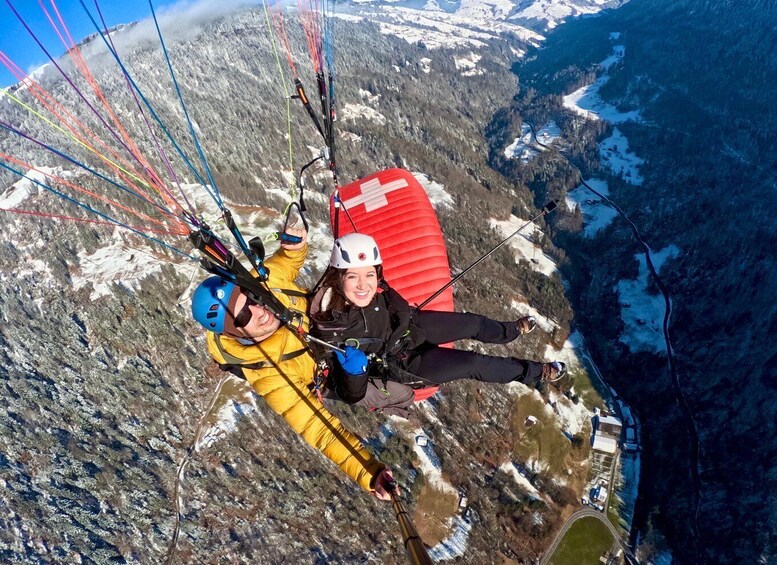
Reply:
x=392, y=207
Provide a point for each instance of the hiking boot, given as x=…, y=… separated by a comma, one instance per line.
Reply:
x=526, y=324
x=555, y=374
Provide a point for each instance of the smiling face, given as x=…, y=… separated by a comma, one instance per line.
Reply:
x=359, y=285
x=261, y=324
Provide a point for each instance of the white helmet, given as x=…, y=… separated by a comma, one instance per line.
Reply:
x=355, y=250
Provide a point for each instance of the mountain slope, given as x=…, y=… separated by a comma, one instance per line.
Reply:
x=107, y=377
x=703, y=87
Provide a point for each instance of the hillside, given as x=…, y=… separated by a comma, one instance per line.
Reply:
x=705, y=149
x=108, y=384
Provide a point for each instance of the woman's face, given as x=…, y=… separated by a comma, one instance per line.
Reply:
x=359, y=285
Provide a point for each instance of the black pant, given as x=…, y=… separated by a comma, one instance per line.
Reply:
x=442, y=365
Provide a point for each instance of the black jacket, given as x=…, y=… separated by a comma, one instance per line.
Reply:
x=383, y=328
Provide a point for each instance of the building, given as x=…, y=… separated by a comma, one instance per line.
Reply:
x=599, y=494
x=607, y=433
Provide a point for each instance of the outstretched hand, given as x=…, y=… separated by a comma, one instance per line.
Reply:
x=299, y=232
x=385, y=485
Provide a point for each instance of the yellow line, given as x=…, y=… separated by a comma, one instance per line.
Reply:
x=142, y=181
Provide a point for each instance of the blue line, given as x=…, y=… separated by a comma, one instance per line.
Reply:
x=90, y=209
x=148, y=105
x=183, y=107
x=329, y=39
x=95, y=173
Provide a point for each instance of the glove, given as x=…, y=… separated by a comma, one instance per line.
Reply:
x=353, y=362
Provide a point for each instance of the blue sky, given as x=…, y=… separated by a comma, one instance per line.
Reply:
x=20, y=47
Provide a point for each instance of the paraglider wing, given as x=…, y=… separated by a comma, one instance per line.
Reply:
x=392, y=207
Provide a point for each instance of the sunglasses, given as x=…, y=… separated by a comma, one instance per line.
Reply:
x=244, y=316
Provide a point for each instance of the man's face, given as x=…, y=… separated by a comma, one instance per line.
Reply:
x=253, y=321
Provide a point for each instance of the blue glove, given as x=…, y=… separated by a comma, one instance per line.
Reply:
x=353, y=362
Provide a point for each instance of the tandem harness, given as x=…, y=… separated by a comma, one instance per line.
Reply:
x=236, y=365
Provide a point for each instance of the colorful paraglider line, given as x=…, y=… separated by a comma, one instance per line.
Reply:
x=98, y=213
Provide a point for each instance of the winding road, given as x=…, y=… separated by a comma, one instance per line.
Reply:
x=678, y=391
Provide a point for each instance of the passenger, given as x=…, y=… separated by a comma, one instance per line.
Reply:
x=357, y=310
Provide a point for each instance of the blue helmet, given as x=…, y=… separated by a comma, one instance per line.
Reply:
x=210, y=303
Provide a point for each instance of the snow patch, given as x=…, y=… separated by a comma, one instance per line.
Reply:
x=116, y=263
x=597, y=214
x=234, y=398
x=368, y=96
x=509, y=468
x=456, y=544
x=353, y=112
x=549, y=133
x=21, y=190
x=521, y=147
x=468, y=64
x=643, y=313
x=524, y=148
x=618, y=52
x=524, y=309
x=587, y=102
x=34, y=267
x=615, y=155
x=523, y=245
x=430, y=464
x=439, y=198
x=519, y=53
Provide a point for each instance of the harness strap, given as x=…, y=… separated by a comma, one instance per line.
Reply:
x=232, y=361
x=289, y=292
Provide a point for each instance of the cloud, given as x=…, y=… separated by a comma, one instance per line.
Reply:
x=179, y=22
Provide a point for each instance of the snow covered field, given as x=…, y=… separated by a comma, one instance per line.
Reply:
x=524, y=148
x=597, y=214
x=587, y=102
x=643, y=313
x=615, y=155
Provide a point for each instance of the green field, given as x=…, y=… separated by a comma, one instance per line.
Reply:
x=589, y=390
x=585, y=542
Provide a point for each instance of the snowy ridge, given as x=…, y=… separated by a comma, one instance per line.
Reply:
x=473, y=24
x=470, y=22
x=553, y=12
